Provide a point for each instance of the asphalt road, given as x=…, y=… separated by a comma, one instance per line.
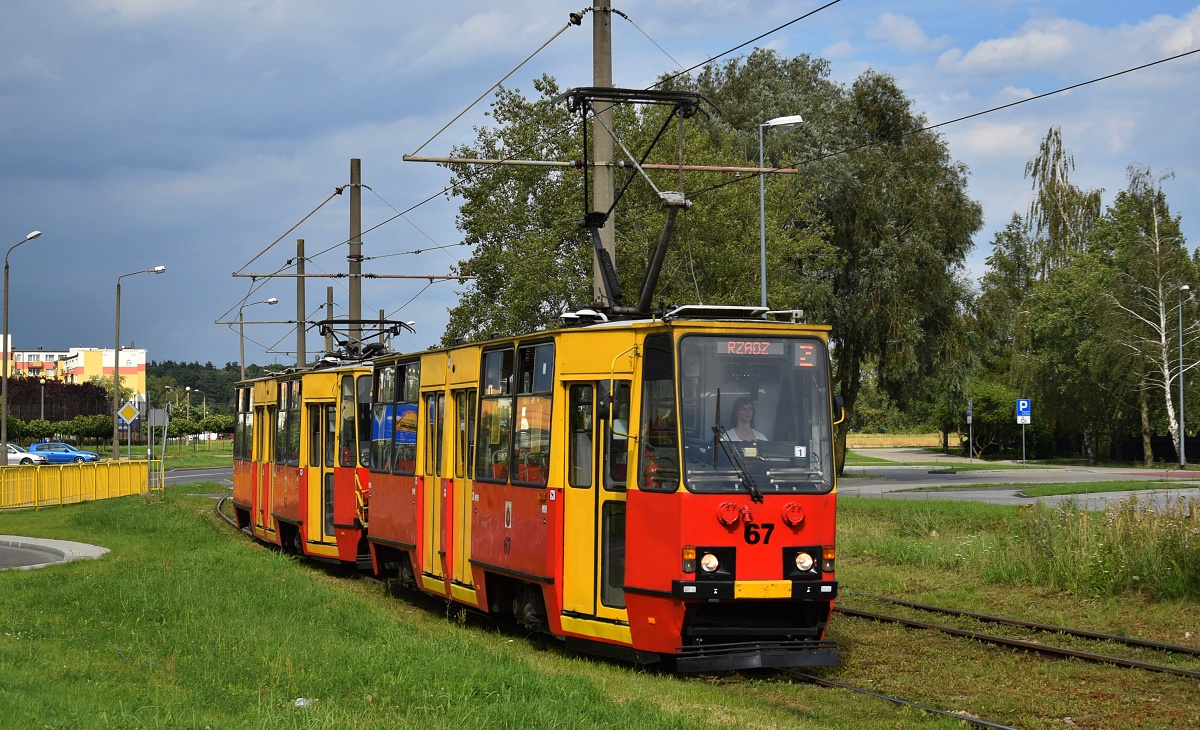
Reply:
x=221, y=475
x=1001, y=486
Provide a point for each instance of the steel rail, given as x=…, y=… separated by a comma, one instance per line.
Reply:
x=974, y=721
x=1020, y=644
x=1082, y=633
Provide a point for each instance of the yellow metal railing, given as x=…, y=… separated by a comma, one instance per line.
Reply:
x=59, y=484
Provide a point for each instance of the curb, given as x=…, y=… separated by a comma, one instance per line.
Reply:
x=62, y=551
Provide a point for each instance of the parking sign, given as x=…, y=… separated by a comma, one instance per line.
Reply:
x=1024, y=411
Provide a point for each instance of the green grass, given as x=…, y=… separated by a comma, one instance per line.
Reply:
x=188, y=624
x=1047, y=490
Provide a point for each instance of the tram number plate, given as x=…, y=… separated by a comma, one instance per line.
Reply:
x=754, y=533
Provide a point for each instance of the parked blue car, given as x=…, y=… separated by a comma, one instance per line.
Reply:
x=59, y=453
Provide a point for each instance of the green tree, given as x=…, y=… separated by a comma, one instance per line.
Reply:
x=1061, y=214
x=1152, y=262
x=1077, y=374
x=530, y=258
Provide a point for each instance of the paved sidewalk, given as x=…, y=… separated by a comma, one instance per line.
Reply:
x=908, y=454
x=36, y=552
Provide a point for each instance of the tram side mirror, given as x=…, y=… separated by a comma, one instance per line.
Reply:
x=839, y=409
x=604, y=401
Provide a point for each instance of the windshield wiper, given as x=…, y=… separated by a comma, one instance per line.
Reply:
x=736, y=459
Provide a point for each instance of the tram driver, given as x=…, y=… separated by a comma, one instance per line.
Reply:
x=741, y=422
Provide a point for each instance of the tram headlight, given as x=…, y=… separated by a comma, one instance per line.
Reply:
x=709, y=563
x=804, y=562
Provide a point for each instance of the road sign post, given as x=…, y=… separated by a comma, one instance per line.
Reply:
x=1024, y=413
x=128, y=413
x=970, y=435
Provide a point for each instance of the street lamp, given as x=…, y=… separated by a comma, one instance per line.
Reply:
x=4, y=386
x=187, y=406
x=780, y=123
x=43, y=382
x=1182, y=432
x=117, y=361
x=203, y=409
x=242, y=332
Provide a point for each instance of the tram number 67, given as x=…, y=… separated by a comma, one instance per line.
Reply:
x=754, y=533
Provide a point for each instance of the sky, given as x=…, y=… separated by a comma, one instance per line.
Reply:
x=192, y=134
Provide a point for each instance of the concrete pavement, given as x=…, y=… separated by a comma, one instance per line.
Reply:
x=36, y=552
x=1002, y=486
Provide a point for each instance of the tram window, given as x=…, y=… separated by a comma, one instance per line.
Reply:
x=579, y=438
x=347, y=446
x=330, y=421
x=239, y=428
x=316, y=424
x=465, y=403
x=293, y=428
x=537, y=368
x=382, y=418
x=279, y=453
x=435, y=404
x=363, y=406
x=497, y=372
x=404, y=419
x=616, y=440
x=612, y=566
x=787, y=381
x=659, y=462
x=494, y=432
x=531, y=443
x=287, y=424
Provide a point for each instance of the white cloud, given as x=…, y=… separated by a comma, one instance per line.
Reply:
x=902, y=32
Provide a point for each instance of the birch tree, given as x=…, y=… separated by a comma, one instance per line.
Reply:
x=1060, y=213
x=1153, y=265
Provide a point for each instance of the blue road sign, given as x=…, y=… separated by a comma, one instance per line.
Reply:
x=1023, y=408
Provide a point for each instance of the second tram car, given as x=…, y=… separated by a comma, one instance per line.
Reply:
x=652, y=489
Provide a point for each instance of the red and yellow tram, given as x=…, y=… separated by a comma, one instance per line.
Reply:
x=650, y=489
x=300, y=455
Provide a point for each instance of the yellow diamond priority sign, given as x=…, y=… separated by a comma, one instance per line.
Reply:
x=128, y=413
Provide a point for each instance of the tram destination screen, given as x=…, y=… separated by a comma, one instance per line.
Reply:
x=751, y=348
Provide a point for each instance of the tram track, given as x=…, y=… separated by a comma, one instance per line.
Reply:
x=822, y=682
x=1033, y=646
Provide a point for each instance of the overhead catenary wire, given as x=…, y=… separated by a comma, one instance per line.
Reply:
x=575, y=19
x=848, y=150
x=470, y=175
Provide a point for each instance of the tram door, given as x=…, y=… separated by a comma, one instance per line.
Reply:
x=265, y=437
x=436, y=486
x=462, y=426
x=597, y=453
x=322, y=451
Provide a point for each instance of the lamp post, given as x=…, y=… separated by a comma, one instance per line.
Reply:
x=4, y=386
x=187, y=405
x=242, y=332
x=781, y=123
x=1182, y=432
x=203, y=415
x=117, y=361
x=43, y=414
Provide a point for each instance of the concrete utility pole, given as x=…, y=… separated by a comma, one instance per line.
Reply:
x=301, y=352
x=329, y=318
x=355, y=255
x=602, y=142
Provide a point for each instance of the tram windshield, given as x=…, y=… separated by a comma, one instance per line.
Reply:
x=755, y=414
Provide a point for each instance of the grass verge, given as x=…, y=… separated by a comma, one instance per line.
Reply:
x=187, y=624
